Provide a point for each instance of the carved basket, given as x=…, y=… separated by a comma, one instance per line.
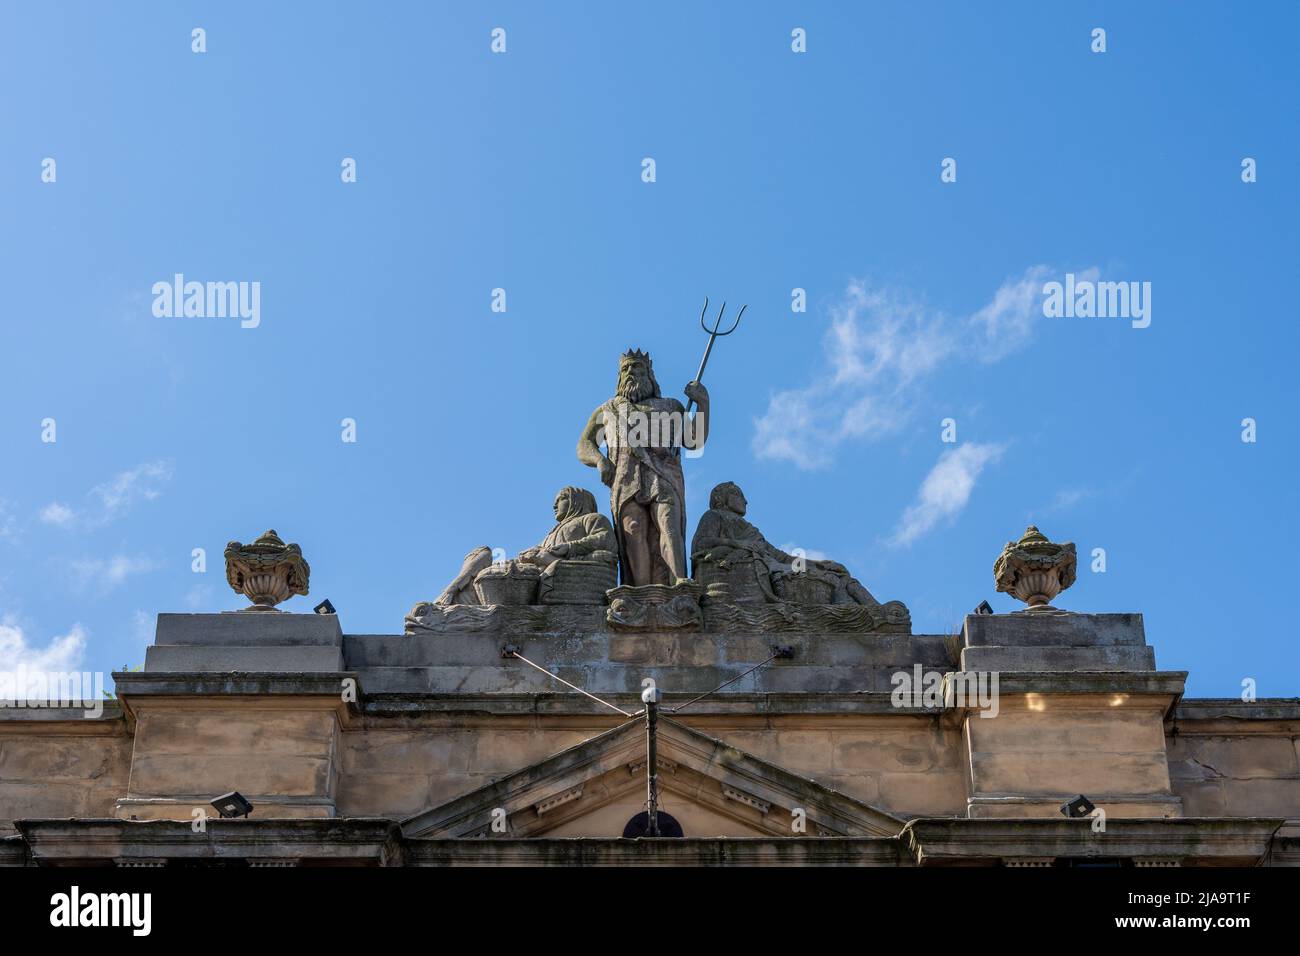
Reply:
x=803, y=587
x=739, y=582
x=509, y=584
x=579, y=582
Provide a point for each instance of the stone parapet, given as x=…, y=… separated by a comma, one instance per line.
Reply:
x=1055, y=641
x=243, y=641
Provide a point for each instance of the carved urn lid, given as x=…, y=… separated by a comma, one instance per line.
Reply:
x=1034, y=569
x=266, y=571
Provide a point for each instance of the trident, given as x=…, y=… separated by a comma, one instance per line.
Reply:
x=713, y=334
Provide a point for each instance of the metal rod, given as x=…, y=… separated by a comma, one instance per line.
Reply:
x=652, y=769
x=681, y=707
x=567, y=684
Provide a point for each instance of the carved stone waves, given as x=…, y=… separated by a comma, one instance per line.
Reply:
x=714, y=617
x=656, y=607
x=889, y=618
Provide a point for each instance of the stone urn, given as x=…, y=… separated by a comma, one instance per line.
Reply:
x=267, y=572
x=509, y=583
x=1035, y=570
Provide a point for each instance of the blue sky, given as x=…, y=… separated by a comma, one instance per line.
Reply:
x=774, y=171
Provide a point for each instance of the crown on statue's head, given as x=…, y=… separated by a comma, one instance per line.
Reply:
x=636, y=355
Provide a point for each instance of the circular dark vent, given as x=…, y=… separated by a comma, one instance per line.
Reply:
x=638, y=825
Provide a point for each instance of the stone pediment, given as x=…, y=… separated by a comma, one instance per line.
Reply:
x=710, y=787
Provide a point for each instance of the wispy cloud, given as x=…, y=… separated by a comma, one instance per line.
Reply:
x=58, y=514
x=62, y=653
x=142, y=483
x=946, y=490
x=882, y=345
x=105, y=574
x=1065, y=499
x=1006, y=323
x=113, y=498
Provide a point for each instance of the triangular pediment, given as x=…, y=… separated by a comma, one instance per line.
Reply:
x=711, y=787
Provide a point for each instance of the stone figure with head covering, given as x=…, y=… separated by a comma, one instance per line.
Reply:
x=573, y=564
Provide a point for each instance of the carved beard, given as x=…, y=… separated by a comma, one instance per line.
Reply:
x=636, y=387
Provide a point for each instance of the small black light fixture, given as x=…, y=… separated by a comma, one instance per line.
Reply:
x=325, y=607
x=232, y=804
x=1078, y=808
x=984, y=608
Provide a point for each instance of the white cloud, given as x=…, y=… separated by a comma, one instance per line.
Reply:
x=8, y=527
x=124, y=490
x=105, y=574
x=111, y=499
x=1007, y=323
x=62, y=653
x=58, y=514
x=945, y=490
x=882, y=345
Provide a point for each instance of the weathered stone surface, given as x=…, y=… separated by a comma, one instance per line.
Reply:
x=1200, y=798
x=1115, y=657
x=787, y=618
x=1262, y=797
x=715, y=852
x=935, y=793
x=500, y=621
x=1192, y=842
x=249, y=630
x=1047, y=629
x=1029, y=732
x=1070, y=773
x=892, y=752
x=61, y=763
x=292, y=658
x=1239, y=758
x=362, y=652
x=1237, y=774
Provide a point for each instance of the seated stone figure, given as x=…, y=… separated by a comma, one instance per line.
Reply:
x=574, y=564
x=737, y=564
